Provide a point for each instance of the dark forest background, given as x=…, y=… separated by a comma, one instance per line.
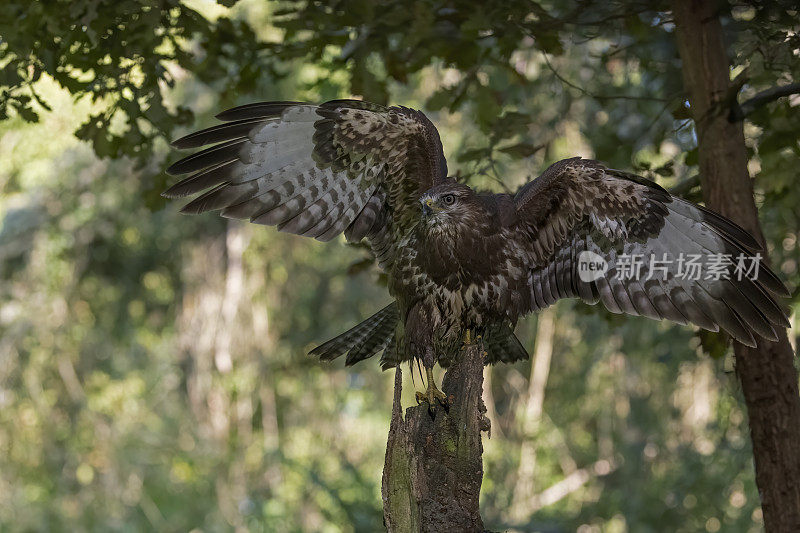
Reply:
x=153, y=367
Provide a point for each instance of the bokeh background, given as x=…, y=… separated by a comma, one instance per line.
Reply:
x=153, y=367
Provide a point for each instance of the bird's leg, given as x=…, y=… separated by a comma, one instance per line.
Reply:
x=432, y=395
x=470, y=337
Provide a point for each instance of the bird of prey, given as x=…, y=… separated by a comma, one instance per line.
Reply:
x=462, y=263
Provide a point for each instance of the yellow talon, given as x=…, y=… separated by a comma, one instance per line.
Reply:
x=468, y=338
x=432, y=394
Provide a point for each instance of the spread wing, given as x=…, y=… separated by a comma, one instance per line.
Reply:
x=578, y=206
x=315, y=170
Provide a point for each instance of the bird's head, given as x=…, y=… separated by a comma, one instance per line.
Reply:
x=447, y=203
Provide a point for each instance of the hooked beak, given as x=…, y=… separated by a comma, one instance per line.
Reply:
x=427, y=206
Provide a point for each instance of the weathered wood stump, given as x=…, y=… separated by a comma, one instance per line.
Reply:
x=433, y=470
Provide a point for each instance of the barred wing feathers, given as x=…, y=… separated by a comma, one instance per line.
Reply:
x=579, y=205
x=314, y=170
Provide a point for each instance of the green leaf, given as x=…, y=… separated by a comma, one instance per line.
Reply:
x=714, y=344
x=692, y=157
x=549, y=42
x=24, y=110
x=666, y=169
x=475, y=154
x=521, y=150
x=440, y=99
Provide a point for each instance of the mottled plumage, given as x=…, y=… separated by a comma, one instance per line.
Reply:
x=457, y=259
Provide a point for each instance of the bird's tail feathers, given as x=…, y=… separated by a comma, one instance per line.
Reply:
x=503, y=346
x=362, y=340
x=378, y=333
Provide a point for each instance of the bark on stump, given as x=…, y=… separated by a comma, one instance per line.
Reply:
x=433, y=470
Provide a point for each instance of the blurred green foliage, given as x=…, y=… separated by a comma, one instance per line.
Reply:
x=120, y=55
x=153, y=373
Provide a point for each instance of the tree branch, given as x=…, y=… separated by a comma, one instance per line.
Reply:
x=571, y=483
x=741, y=111
x=532, y=413
x=599, y=97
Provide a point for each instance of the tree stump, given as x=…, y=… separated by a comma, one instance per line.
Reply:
x=433, y=470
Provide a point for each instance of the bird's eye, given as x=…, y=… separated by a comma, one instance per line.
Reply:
x=448, y=199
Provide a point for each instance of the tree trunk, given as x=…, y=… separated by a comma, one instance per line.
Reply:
x=433, y=470
x=532, y=411
x=767, y=373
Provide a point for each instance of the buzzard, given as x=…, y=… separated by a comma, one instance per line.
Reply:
x=460, y=262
